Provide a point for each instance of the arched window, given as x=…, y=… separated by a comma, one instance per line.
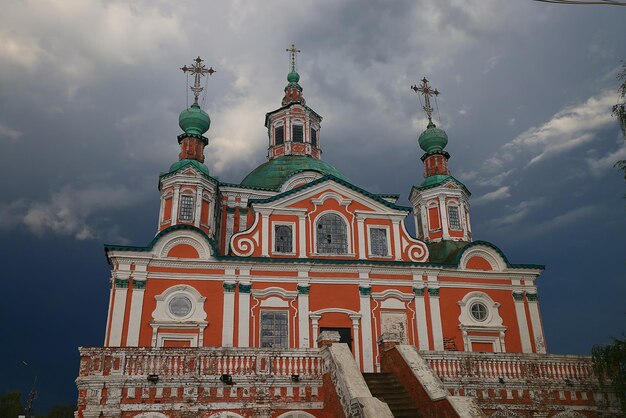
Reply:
x=332, y=236
x=282, y=241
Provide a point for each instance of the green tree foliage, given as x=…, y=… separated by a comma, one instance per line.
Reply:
x=62, y=411
x=609, y=363
x=10, y=405
x=619, y=111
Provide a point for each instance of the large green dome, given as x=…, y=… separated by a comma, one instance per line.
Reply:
x=273, y=173
x=433, y=139
x=194, y=121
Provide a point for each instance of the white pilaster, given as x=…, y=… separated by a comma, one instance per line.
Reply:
x=435, y=313
x=425, y=224
x=302, y=236
x=443, y=213
x=535, y=322
x=136, y=305
x=265, y=234
x=356, y=347
x=315, y=327
x=119, y=309
x=303, y=316
x=366, y=329
x=420, y=317
x=230, y=226
x=361, y=236
x=522, y=323
x=243, y=336
x=228, y=323
x=175, y=205
x=396, y=240
x=198, y=207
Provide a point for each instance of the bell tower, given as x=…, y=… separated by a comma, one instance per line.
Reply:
x=440, y=202
x=294, y=128
x=187, y=190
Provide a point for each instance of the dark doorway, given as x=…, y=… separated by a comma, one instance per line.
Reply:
x=345, y=335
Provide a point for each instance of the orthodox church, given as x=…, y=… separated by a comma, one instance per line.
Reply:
x=297, y=293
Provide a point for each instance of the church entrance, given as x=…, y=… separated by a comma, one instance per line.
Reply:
x=345, y=335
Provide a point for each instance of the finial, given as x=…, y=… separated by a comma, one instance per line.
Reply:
x=293, y=51
x=198, y=69
x=428, y=92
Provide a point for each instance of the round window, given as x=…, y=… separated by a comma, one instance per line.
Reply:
x=180, y=306
x=479, y=311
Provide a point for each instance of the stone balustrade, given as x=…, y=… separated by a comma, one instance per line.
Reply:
x=510, y=367
x=200, y=362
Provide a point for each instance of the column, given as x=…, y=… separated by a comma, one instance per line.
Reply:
x=535, y=322
x=303, y=316
x=243, y=336
x=361, y=237
x=230, y=227
x=136, y=305
x=425, y=222
x=356, y=348
x=316, y=328
x=228, y=322
x=435, y=317
x=175, y=205
x=366, y=328
x=522, y=324
x=302, y=236
x=420, y=317
x=119, y=309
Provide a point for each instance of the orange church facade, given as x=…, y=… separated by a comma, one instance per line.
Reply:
x=292, y=254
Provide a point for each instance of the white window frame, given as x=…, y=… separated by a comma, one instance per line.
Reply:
x=369, y=240
x=276, y=126
x=458, y=213
x=182, y=194
x=292, y=225
x=301, y=123
x=286, y=311
x=187, y=336
x=349, y=236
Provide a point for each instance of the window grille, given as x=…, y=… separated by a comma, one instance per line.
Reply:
x=282, y=239
x=297, y=133
x=332, y=237
x=274, y=329
x=313, y=138
x=279, y=135
x=186, y=208
x=479, y=311
x=378, y=241
x=453, y=217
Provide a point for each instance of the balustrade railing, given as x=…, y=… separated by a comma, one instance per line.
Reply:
x=509, y=366
x=306, y=363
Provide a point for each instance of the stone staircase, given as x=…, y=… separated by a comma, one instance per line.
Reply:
x=385, y=387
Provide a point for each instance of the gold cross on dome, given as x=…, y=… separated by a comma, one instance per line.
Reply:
x=198, y=69
x=428, y=92
x=293, y=51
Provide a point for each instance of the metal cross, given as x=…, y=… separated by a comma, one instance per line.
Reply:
x=198, y=69
x=293, y=51
x=428, y=92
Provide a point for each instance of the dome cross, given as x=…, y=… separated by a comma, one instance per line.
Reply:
x=198, y=69
x=428, y=92
x=293, y=51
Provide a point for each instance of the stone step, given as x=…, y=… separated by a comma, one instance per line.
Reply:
x=385, y=387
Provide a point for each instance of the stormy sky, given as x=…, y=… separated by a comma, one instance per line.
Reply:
x=90, y=93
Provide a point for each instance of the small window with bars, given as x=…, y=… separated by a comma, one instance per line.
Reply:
x=283, y=239
x=297, y=133
x=313, y=137
x=279, y=135
x=274, y=329
x=186, y=208
x=378, y=242
x=453, y=217
x=332, y=236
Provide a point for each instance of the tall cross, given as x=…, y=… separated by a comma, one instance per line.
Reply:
x=428, y=92
x=198, y=69
x=293, y=51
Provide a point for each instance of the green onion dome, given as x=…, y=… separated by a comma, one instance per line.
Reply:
x=433, y=139
x=194, y=121
x=293, y=77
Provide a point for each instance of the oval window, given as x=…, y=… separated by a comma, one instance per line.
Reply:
x=180, y=306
